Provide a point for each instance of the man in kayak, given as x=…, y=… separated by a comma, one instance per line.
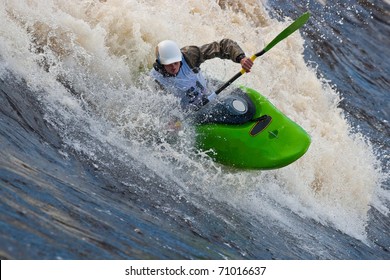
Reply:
x=178, y=70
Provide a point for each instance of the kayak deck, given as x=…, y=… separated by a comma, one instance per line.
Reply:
x=270, y=140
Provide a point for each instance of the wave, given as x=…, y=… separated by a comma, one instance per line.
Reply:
x=85, y=65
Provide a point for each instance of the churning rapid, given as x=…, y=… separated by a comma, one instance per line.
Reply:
x=89, y=168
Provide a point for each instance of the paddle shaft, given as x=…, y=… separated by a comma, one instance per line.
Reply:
x=282, y=35
x=239, y=74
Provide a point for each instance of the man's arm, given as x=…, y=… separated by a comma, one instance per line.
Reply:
x=225, y=49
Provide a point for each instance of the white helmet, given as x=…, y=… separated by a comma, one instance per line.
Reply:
x=168, y=52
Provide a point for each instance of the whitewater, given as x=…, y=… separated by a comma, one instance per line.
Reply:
x=90, y=170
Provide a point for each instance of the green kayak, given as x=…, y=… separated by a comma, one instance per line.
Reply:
x=245, y=130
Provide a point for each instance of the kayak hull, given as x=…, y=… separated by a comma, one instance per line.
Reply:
x=269, y=140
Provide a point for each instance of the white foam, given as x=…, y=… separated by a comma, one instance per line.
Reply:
x=104, y=48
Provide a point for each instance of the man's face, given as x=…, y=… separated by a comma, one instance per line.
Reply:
x=172, y=68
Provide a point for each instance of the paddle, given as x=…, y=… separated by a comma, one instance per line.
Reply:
x=284, y=34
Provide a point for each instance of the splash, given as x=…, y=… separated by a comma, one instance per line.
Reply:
x=88, y=62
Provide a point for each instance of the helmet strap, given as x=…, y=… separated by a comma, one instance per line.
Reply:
x=161, y=69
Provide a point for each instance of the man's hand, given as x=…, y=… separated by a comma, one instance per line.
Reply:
x=174, y=125
x=246, y=64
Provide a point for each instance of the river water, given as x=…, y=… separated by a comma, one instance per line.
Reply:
x=88, y=169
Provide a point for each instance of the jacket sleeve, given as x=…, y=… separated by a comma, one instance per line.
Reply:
x=225, y=49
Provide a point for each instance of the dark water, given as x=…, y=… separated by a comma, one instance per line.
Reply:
x=68, y=194
x=349, y=41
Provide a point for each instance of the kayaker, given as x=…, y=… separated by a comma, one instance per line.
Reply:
x=178, y=70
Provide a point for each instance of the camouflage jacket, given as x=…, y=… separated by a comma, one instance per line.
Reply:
x=195, y=56
x=225, y=49
x=189, y=85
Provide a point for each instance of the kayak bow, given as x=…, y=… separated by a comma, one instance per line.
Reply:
x=267, y=140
